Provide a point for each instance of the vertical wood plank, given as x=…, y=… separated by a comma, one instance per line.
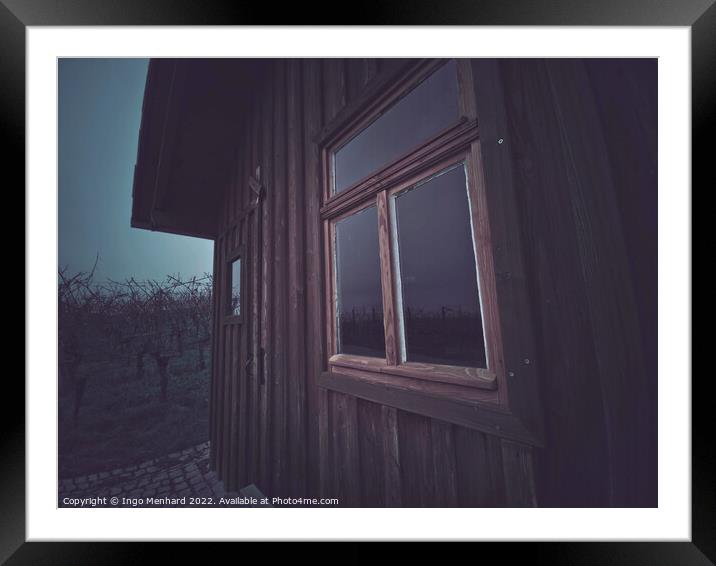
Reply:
x=266, y=356
x=217, y=362
x=225, y=352
x=312, y=101
x=337, y=462
x=496, y=497
x=296, y=286
x=371, y=454
x=518, y=474
x=234, y=384
x=235, y=396
x=245, y=328
x=226, y=402
x=416, y=468
x=214, y=357
x=391, y=457
x=334, y=86
x=255, y=264
x=220, y=362
x=355, y=77
x=466, y=88
x=345, y=449
x=479, y=475
x=444, y=463
x=279, y=442
x=233, y=331
x=370, y=67
x=327, y=487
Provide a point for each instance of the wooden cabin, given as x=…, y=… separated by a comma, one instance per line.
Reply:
x=435, y=280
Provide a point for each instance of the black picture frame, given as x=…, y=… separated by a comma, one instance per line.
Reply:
x=699, y=15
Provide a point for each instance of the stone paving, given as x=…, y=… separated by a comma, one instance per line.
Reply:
x=184, y=474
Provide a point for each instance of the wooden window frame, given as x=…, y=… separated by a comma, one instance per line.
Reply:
x=454, y=145
x=238, y=252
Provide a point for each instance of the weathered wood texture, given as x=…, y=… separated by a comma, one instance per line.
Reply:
x=579, y=139
x=564, y=251
x=271, y=423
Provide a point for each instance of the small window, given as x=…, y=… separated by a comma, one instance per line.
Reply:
x=234, y=286
x=235, y=306
x=429, y=108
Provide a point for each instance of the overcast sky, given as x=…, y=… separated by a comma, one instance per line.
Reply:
x=100, y=106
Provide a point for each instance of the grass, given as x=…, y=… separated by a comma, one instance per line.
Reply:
x=123, y=421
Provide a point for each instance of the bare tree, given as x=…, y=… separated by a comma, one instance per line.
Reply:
x=159, y=319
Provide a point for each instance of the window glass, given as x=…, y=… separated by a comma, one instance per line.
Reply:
x=429, y=108
x=438, y=278
x=359, y=301
x=235, y=304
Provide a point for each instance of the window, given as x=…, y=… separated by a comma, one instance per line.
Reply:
x=359, y=306
x=234, y=285
x=410, y=281
x=438, y=290
x=396, y=131
x=235, y=306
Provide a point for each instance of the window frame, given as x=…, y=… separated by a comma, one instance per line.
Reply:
x=459, y=143
x=237, y=253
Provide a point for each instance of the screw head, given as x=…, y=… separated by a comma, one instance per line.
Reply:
x=500, y=141
x=527, y=361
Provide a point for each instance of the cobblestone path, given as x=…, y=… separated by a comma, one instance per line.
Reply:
x=181, y=474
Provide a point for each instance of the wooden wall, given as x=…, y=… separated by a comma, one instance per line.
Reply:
x=272, y=425
x=581, y=137
x=270, y=422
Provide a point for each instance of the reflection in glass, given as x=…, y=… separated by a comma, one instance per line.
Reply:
x=359, y=301
x=235, y=306
x=440, y=298
x=429, y=108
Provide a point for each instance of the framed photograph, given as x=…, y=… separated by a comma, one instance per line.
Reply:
x=359, y=283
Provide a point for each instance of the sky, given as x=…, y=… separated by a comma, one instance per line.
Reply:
x=100, y=107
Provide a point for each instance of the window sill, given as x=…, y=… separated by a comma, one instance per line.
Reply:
x=469, y=407
x=477, y=378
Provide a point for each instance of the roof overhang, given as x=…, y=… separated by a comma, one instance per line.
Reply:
x=187, y=142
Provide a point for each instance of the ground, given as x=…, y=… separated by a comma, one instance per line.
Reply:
x=130, y=442
x=180, y=474
x=123, y=421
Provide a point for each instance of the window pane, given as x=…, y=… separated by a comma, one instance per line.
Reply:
x=235, y=306
x=440, y=298
x=359, y=296
x=430, y=107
